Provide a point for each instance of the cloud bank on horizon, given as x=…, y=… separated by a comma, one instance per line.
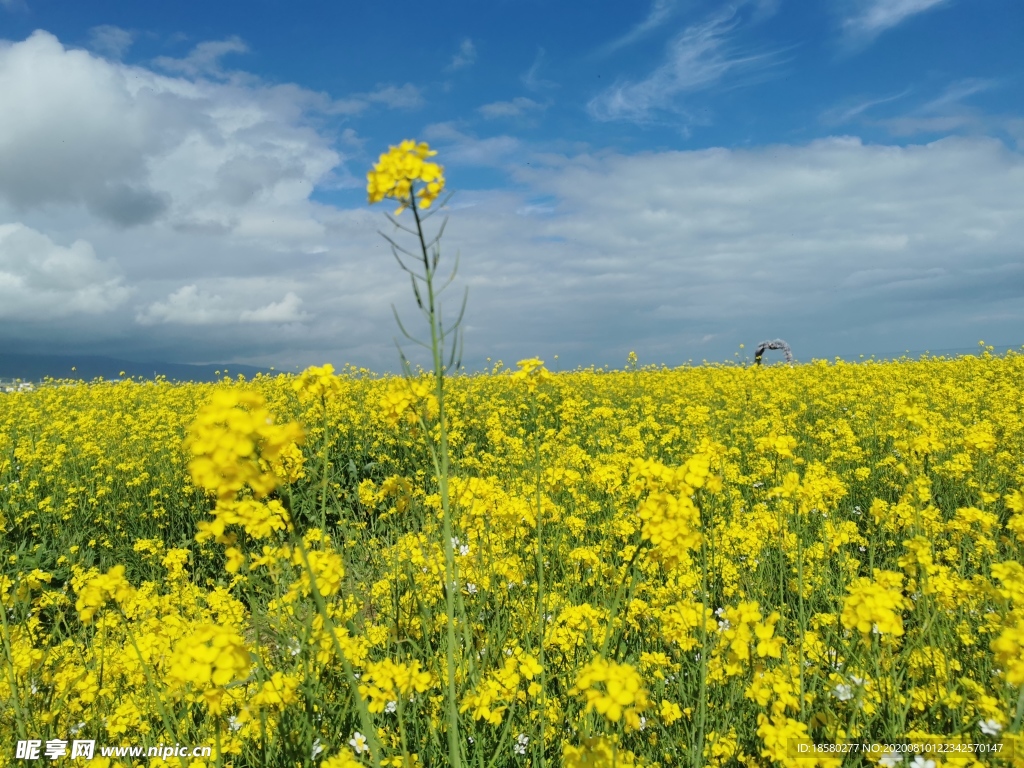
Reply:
x=675, y=179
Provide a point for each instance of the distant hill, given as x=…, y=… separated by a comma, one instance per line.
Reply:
x=88, y=367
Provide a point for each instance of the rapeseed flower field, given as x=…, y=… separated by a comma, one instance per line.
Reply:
x=718, y=565
x=732, y=557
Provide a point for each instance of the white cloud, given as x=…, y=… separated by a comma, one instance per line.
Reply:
x=110, y=41
x=406, y=96
x=464, y=58
x=517, y=107
x=849, y=109
x=42, y=280
x=461, y=148
x=532, y=80
x=958, y=90
x=697, y=59
x=944, y=114
x=190, y=305
x=284, y=311
x=135, y=148
x=204, y=59
x=829, y=245
x=877, y=16
x=661, y=11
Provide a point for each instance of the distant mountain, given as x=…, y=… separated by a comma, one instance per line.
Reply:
x=88, y=367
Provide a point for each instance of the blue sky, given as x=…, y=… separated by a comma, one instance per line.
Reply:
x=187, y=182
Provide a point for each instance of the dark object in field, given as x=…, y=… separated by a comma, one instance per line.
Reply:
x=774, y=344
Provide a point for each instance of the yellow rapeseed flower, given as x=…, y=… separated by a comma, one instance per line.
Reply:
x=397, y=172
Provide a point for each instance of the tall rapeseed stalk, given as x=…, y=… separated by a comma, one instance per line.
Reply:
x=403, y=174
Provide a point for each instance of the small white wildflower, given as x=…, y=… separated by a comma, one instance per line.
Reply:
x=358, y=743
x=990, y=727
x=76, y=728
x=464, y=550
x=922, y=762
x=759, y=484
x=890, y=760
x=521, y=741
x=719, y=612
x=724, y=625
x=863, y=549
x=843, y=692
x=643, y=722
x=471, y=587
x=317, y=749
x=295, y=647
x=856, y=680
x=391, y=706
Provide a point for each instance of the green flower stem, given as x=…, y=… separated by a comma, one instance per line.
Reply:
x=441, y=464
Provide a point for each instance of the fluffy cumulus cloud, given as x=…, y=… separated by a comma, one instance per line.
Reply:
x=191, y=306
x=41, y=280
x=134, y=147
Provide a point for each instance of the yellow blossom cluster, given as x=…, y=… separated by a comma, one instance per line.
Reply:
x=398, y=170
x=228, y=439
x=385, y=681
x=95, y=592
x=409, y=400
x=876, y=605
x=613, y=690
